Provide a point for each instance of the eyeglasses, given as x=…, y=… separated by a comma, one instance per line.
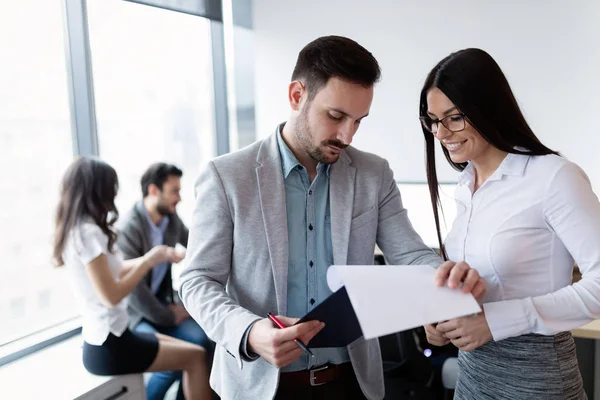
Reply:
x=453, y=122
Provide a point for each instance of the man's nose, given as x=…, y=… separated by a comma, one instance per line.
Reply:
x=346, y=133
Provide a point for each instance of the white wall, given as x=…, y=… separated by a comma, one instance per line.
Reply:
x=549, y=50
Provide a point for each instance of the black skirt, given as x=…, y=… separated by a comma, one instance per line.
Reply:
x=131, y=353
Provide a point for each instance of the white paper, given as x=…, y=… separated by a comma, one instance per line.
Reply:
x=394, y=298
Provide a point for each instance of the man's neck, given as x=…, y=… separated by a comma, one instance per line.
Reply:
x=288, y=136
x=155, y=216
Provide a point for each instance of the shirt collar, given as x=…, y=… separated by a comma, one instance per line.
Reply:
x=162, y=225
x=512, y=165
x=289, y=160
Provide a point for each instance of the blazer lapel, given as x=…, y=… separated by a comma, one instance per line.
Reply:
x=341, y=202
x=271, y=188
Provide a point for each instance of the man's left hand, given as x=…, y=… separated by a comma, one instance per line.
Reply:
x=457, y=272
x=467, y=333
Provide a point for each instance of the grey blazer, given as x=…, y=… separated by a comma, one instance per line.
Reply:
x=237, y=259
x=134, y=241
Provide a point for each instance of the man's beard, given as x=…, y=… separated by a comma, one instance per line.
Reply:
x=163, y=209
x=304, y=136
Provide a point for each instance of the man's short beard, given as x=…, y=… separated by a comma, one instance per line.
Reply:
x=162, y=209
x=304, y=137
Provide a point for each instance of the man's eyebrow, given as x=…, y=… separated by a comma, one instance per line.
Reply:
x=346, y=114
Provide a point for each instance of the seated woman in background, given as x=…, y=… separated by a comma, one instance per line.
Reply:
x=84, y=244
x=524, y=214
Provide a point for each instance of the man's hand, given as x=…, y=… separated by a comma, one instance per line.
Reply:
x=467, y=333
x=435, y=337
x=277, y=345
x=455, y=273
x=180, y=312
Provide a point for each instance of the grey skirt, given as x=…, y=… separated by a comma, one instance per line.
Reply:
x=524, y=367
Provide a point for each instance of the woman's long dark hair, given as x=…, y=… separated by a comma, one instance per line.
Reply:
x=474, y=82
x=88, y=189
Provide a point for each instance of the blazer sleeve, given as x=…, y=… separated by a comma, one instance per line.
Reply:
x=142, y=299
x=396, y=237
x=208, y=267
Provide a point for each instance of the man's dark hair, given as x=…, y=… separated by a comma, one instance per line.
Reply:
x=158, y=174
x=335, y=57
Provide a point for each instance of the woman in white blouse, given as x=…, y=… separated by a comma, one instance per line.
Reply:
x=101, y=280
x=524, y=215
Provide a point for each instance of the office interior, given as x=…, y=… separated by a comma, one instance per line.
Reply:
x=135, y=82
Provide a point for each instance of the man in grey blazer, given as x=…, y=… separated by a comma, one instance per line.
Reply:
x=272, y=217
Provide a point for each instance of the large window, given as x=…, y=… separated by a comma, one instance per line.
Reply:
x=153, y=80
x=36, y=148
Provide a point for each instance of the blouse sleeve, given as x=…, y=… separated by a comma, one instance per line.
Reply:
x=572, y=212
x=89, y=242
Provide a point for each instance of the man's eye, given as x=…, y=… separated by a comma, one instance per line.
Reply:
x=335, y=117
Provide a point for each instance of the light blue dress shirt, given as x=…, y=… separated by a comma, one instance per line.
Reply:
x=157, y=235
x=310, y=248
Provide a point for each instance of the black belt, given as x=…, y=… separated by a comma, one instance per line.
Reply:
x=317, y=376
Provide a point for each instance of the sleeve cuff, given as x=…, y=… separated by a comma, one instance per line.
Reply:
x=244, y=352
x=508, y=318
x=244, y=324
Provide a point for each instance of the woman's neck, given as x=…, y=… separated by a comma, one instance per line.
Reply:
x=486, y=165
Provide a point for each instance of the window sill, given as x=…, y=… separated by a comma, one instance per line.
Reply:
x=57, y=372
x=38, y=341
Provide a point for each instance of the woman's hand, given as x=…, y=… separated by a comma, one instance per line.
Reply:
x=161, y=254
x=466, y=333
x=435, y=337
x=157, y=255
x=459, y=275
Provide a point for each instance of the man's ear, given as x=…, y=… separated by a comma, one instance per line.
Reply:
x=296, y=91
x=153, y=189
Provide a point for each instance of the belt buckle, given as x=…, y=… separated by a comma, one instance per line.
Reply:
x=313, y=377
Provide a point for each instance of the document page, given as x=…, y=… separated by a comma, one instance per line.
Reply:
x=394, y=298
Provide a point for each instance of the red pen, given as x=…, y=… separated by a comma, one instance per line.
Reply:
x=298, y=342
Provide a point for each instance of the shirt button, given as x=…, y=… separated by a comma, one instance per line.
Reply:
x=310, y=228
x=311, y=263
x=312, y=301
x=309, y=192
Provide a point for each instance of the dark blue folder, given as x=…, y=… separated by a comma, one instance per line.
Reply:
x=341, y=325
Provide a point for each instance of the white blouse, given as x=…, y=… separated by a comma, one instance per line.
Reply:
x=85, y=243
x=522, y=230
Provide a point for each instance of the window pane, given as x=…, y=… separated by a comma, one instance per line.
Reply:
x=243, y=88
x=36, y=149
x=415, y=198
x=153, y=83
x=239, y=56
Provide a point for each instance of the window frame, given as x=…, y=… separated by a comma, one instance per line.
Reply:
x=84, y=133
